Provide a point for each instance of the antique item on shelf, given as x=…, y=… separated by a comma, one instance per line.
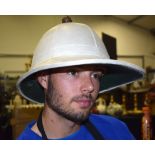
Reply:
x=139, y=86
x=135, y=103
x=151, y=92
x=153, y=80
x=146, y=100
x=101, y=105
x=135, y=106
x=17, y=100
x=124, y=104
x=114, y=108
x=146, y=123
x=28, y=65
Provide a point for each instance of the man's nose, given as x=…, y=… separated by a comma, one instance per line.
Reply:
x=87, y=85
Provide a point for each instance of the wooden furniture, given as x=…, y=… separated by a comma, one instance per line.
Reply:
x=22, y=116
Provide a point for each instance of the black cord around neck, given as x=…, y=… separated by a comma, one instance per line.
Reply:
x=41, y=127
x=91, y=128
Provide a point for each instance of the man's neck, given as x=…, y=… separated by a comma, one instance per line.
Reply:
x=55, y=126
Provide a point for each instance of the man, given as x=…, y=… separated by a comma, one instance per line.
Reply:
x=70, y=68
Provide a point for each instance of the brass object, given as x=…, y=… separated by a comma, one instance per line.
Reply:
x=101, y=105
x=135, y=103
x=124, y=104
x=114, y=108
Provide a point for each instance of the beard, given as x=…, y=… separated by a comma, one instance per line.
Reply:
x=55, y=102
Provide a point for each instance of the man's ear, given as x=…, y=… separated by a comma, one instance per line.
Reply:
x=42, y=78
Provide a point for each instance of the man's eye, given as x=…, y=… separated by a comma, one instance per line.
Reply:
x=97, y=76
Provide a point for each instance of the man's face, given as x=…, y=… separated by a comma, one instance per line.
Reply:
x=71, y=92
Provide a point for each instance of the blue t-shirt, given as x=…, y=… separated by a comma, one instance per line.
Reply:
x=109, y=127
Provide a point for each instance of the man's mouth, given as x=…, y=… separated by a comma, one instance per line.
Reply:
x=84, y=103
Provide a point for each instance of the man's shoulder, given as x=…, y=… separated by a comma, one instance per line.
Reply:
x=111, y=127
x=106, y=119
x=28, y=134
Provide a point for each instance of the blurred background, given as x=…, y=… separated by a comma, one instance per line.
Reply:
x=129, y=38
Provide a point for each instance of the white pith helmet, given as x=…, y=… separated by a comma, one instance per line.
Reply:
x=72, y=44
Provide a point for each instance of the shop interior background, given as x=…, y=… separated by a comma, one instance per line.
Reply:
x=132, y=38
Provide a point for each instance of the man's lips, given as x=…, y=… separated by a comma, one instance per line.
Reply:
x=84, y=103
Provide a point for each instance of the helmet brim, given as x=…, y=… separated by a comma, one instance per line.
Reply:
x=118, y=73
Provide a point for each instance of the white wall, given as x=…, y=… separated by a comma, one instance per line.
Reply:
x=20, y=34
x=131, y=40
